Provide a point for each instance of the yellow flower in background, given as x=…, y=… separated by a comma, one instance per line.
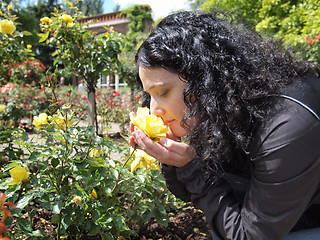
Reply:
x=7, y=26
x=2, y=107
x=18, y=174
x=61, y=121
x=46, y=20
x=9, y=7
x=67, y=18
x=94, y=193
x=152, y=125
x=70, y=25
x=42, y=119
x=29, y=46
x=143, y=160
x=96, y=153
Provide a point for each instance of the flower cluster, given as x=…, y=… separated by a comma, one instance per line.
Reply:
x=68, y=19
x=61, y=121
x=45, y=24
x=28, y=71
x=312, y=52
x=312, y=41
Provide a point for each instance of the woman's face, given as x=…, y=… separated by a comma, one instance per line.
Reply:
x=166, y=91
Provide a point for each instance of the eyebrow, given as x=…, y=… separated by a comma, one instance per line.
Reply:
x=156, y=85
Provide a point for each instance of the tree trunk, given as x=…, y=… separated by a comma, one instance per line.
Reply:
x=92, y=112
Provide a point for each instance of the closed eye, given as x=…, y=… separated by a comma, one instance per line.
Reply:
x=163, y=93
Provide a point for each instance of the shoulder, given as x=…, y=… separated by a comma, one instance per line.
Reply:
x=293, y=114
x=286, y=143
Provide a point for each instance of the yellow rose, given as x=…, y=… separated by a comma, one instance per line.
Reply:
x=7, y=26
x=29, y=46
x=152, y=125
x=143, y=160
x=94, y=193
x=96, y=153
x=2, y=107
x=9, y=7
x=67, y=18
x=18, y=174
x=46, y=20
x=70, y=25
x=60, y=120
x=42, y=119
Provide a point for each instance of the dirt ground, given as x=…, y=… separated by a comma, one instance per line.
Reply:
x=187, y=223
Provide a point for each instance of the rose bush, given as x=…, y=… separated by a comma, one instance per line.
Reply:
x=73, y=175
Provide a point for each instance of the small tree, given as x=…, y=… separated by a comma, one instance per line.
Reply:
x=89, y=55
x=139, y=15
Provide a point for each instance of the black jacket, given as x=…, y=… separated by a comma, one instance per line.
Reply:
x=283, y=192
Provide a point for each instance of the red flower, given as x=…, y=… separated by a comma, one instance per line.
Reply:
x=311, y=41
x=114, y=91
x=318, y=37
x=28, y=74
x=67, y=94
x=306, y=38
x=84, y=98
x=117, y=94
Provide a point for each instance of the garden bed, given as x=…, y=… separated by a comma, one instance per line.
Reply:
x=187, y=223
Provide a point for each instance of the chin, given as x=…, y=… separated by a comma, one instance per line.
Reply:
x=179, y=132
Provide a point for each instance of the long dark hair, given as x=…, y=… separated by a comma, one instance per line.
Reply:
x=229, y=72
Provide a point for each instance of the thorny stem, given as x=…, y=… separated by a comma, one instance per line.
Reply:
x=125, y=163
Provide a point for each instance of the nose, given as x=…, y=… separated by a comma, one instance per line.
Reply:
x=156, y=108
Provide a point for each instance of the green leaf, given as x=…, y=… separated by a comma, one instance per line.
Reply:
x=34, y=156
x=43, y=36
x=26, y=33
x=24, y=224
x=81, y=190
x=55, y=162
x=107, y=236
x=57, y=207
x=25, y=200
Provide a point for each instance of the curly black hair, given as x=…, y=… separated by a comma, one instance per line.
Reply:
x=230, y=72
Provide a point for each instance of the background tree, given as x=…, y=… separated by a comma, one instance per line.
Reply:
x=288, y=20
x=87, y=7
x=86, y=54
x=140, y=15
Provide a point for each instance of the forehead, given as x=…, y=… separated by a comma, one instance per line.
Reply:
x=158, y=77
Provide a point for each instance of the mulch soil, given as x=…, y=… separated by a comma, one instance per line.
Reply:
x=187, y=223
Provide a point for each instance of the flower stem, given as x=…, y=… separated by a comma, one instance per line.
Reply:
x=125, y=163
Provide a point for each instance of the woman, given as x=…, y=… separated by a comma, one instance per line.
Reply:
x=250, y=116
